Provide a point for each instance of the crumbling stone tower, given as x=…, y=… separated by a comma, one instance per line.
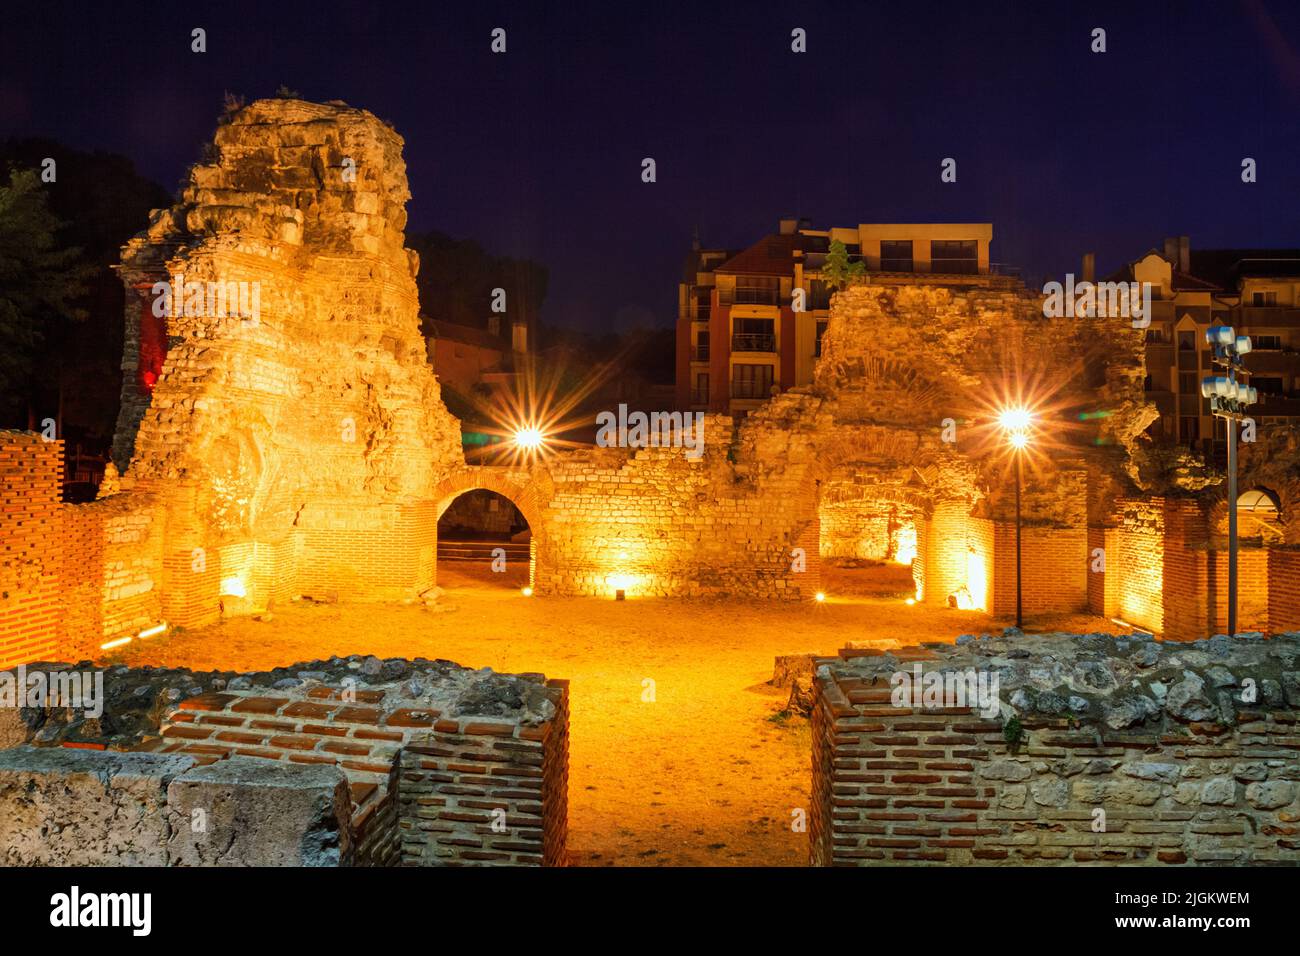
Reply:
x=280, y=407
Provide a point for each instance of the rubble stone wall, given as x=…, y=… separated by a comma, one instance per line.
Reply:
x=1100, y=749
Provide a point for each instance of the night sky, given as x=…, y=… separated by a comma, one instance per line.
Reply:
x=538, y=152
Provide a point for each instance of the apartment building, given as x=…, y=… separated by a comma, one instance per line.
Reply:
x=1257, y=292
x=739, y=338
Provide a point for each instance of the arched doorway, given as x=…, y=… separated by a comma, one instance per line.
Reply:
x=484, y=540
x=475, y=526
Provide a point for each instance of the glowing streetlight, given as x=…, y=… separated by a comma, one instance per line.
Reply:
x=529, y=438
x=1015, y=422
x=820, y=597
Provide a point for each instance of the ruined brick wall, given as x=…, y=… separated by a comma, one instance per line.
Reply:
x=31, y=562
x=487, y=791
x=1126, y=751
x=424, y=783
x=1054, y=569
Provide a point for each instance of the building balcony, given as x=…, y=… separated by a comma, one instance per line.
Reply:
x=700, y=353
x=749, y=342
x=699, y=397
x=742, y=296
x=1267, y=317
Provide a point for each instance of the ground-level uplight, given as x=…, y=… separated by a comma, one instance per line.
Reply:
x=820, y=597
x=527, y=592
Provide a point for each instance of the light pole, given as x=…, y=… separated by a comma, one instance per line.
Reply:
x=1015, y=422
x=1228, y=400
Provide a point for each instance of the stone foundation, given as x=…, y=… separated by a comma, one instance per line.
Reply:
x=1102, y=750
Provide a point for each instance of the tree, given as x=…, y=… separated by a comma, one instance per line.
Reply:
x=40, y=282
x=838, y=272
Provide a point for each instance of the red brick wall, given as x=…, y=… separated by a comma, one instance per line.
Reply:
x=31, y=562
x=1054, y=568
x=1186, y=571
x=424, y=786
x=1252, y=590
x=1284, y=590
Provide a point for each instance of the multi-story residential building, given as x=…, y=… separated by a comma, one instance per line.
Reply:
x=740, y=339
x=1257, y=291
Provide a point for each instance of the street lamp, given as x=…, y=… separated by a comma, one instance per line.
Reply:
x=529, y=438
x=1228, y=400
x=1015, y=423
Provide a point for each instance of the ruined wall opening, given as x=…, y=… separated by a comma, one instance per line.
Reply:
x=870, y=532
x=485, y=540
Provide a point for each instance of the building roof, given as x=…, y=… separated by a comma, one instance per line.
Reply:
x=1227, y=267
x=772, y=255
x=1179, y=281
x=466, y=335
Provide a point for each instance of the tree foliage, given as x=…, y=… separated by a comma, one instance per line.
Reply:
x=40, y=280
x=839, y=272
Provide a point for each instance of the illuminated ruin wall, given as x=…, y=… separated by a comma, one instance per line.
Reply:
x=295, y=442
x=1103, y=750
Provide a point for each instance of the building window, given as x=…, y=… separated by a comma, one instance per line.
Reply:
x=954, y=256
x=896, y=255
x=1268, y=386
x=819, y=295
x=1269, y=342
x=756, y=290
x=1189, y=429
x=1263, y=299
x=700, y=392
x=701, y=347
x=821, y=330
x=753, y=335
x=751, y=381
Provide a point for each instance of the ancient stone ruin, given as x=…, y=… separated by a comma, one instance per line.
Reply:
x=282, y=435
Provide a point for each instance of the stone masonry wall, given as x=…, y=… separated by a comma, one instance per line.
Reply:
x=1101, y=749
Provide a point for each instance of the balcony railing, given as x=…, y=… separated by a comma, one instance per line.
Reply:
x=700, y=353
x=749, y=296
x=896, y=265
x=751, y=389
x=749, y=342
x=963, y=267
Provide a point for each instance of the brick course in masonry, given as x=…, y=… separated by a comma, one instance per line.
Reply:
x=1122, y=750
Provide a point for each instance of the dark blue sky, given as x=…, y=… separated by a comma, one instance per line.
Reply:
x=537, y=152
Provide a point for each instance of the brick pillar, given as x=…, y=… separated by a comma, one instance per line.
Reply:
x=1185, y=593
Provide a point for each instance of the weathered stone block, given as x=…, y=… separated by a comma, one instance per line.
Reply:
x=64, y=807
x=249, y=812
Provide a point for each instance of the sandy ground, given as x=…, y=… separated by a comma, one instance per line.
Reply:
x=681, y=754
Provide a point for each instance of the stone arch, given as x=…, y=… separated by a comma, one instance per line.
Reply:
x=518, y=487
